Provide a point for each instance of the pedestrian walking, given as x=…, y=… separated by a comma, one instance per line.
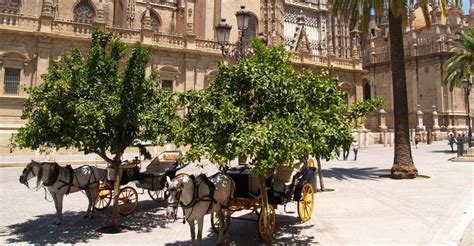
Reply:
x=355, y=148
x=460, y=145
x=417, y=139
x=451, y=140
x=345, y=152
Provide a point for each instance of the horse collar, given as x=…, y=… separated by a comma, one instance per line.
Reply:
x=195, y=193
x=53, y=175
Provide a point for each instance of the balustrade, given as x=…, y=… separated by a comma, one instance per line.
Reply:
x=168, y=40
x=425, y=46
x=18, y=21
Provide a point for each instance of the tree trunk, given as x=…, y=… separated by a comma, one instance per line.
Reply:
x=320, y=174
x=403, y=167
x=116, y=214
x=263, y=192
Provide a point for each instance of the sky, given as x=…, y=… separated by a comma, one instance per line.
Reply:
x=465, y=6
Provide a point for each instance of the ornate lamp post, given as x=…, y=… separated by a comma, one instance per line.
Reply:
x=241, y=48
x=467, y=85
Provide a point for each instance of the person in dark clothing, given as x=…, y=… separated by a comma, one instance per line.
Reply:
x=460, y=145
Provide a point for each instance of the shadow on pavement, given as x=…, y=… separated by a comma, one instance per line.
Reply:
x=444, y=151
x=372, y=173
x=76, y=229
x=244, y=232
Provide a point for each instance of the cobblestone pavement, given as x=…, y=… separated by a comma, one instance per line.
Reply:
x=363, y=209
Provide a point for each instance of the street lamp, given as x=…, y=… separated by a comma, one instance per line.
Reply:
x=467, y=85
x=223, y=32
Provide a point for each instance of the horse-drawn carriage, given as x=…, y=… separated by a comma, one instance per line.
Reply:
x=153, y=180
x=285, y=184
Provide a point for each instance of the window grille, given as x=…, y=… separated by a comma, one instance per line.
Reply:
x=83, y=13
x=12, y=81
x=167, y=85
x=10, y=6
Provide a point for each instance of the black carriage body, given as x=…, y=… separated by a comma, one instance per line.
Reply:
x=308, y=173
x=154, y=178
x=242, y=179
x=130, y=174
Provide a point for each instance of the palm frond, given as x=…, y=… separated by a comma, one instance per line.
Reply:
x=461, y=64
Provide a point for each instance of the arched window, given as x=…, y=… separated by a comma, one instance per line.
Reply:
x=155, y=21
x=10, y=6
x=252, y=28
x=84, y=13
x=367, y=92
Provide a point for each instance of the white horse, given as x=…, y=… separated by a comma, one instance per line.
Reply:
x=199, y=196
x=64, y=180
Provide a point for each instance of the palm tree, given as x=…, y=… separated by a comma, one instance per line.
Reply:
x=461, y=64
x=357, y=12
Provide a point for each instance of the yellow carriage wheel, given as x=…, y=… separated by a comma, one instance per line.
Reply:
x=158, y=195
x=306, y=202
x=266, y=222
x=128, y=200
x=103, y=199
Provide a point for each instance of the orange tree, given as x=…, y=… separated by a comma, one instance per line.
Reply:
x=96, y=105
x=265, y=109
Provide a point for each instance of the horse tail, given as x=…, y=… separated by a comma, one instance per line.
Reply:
x=233, y=190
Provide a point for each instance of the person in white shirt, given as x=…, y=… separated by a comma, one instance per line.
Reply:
x=355, y=148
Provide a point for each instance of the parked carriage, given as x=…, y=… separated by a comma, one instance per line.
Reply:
x=285, y=184
x=153, y=180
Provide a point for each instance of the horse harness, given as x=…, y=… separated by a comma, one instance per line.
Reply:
x=197, y=182
x=53, y=177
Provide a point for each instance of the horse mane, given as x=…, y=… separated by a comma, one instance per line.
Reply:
x=39, y=176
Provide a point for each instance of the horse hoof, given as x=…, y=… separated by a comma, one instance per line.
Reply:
x=85, y=216
x=56, y=223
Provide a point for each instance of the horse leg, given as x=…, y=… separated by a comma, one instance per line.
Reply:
x=227, y=214
x=94, y=195
x=193, y=231
x=221, y=227
x=58, y=203
x=200, y=224
x=88, y=215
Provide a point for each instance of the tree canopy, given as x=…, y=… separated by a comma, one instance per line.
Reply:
x=461, y=64
x=263, y=108
x=97, y=103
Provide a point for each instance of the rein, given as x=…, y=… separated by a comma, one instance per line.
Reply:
x=196, y=198
x=72, y=176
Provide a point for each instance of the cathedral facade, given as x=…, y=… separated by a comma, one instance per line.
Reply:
x=433, y=108
x=186, y=52
x=181, y=33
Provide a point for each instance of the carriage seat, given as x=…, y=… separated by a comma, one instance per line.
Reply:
x=283, y=177
x=163, y=162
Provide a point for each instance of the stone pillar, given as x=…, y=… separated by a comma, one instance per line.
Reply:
x=365, y=139
x=46, y=17
x=436, y=128
x=419, y=115
x=382, y=124
x=44, y=54
x=147, y=30
x=190, y=41
x=383, y=128
x=190, y=78
x=100, y=20
x=392, y=137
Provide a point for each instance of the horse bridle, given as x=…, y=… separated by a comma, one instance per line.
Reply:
x=28, y=169
x=51, y=180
